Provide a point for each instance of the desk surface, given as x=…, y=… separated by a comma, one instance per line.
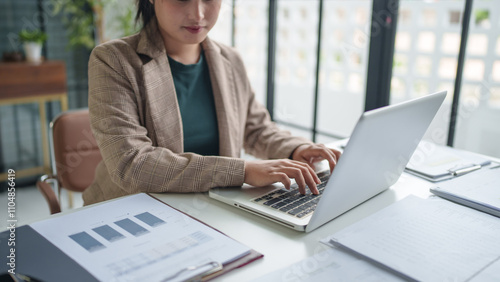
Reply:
x=282, y=246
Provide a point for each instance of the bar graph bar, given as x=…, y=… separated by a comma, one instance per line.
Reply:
x=150, y=219
x=87, y=242
x=131, y=227
x=108, y=233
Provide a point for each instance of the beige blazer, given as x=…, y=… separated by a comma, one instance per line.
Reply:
x=136, y=121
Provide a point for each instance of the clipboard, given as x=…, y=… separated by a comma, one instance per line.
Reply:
x=39, y=258
x=219, y=269
x=436, y=163
x=478, y=190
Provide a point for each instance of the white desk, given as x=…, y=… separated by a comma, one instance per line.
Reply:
x=280, y=245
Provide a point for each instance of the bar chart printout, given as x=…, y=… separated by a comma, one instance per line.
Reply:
x=150, y=219
x=108, y=233
x=131, y=227
x=87, y=242
x=136, y=237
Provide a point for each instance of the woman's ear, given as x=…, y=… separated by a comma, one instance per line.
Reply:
x=152, y=1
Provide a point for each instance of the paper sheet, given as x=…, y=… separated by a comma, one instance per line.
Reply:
x=331, y=265
x=138, y=237
x=427, y=240
x=490, y=273
x=482, y=186
x=436, y=161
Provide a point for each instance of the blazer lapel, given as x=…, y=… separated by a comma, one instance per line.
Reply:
x=222, y=79
x=162, y=108
x=160, y=98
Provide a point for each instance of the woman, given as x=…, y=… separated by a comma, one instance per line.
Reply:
x=171, y=111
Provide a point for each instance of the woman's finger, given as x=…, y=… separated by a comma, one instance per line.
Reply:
x=306, y=176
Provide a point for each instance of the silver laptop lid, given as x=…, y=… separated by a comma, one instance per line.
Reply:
x=375, y=156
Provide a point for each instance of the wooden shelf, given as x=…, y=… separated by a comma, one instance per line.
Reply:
x=23, y=82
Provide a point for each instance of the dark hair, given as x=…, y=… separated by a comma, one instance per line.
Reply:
x=145, y=12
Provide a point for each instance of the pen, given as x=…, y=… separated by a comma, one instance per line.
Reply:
x=465, y=170
x=215, y=266
x=495, y=166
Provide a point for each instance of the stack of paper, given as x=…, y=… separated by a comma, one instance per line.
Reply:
x=427, y=240
x=479, y=190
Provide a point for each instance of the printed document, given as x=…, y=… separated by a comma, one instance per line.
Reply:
x=331, y=265
x=479, y=190
x=426, y=240
x=436, y=162
x=139, y=237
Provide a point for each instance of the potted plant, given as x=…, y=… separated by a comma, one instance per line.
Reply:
x=32, y=42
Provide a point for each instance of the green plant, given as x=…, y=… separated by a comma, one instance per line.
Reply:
x=78, y=18
x=84, y=19
x=482, y=15
x=36, y=36
x=126, y=21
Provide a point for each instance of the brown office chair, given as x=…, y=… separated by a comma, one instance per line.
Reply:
x=75, y=156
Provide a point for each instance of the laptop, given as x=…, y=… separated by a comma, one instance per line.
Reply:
x=373, y=159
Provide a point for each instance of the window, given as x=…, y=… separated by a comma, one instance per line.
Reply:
x=479, y=108
x=431, y=58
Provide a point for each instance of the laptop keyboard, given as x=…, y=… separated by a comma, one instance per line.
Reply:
x=291, y=201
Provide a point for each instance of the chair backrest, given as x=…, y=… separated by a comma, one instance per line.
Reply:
x=75, y=154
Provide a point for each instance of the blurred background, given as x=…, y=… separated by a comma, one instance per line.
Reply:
x=316, y=65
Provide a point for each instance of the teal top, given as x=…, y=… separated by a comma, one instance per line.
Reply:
x=197, y=106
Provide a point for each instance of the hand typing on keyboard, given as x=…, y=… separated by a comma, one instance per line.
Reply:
x=291, y=201
x=311, y=153
x=262, y=173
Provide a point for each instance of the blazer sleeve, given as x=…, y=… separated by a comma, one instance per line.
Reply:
x=131, y=159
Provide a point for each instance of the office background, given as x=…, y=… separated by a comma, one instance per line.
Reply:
x=317, y=65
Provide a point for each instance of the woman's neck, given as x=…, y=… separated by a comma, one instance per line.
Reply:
x=187, y=54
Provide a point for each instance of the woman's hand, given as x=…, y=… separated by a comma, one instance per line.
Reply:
x=311, y=153
x=262, y=173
